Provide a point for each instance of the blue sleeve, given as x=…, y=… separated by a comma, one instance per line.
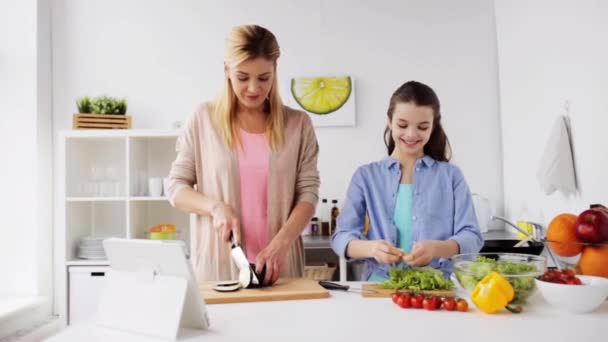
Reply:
x=466, y=228
x=351, y=221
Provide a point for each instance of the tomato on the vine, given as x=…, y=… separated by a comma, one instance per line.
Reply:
x=449, y=304
x=462, y=305
x=417, y=301
x=405, y=301
x=396, y=296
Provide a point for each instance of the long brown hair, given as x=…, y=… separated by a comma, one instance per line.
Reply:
x=244, y=43
x=438, y=147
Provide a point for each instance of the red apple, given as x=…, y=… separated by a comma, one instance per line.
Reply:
x=592, y=225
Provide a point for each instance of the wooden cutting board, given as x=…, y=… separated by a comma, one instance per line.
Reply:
x=283, y=289
x=381, y=292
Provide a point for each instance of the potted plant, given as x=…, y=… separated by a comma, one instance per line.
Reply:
x=102, y=112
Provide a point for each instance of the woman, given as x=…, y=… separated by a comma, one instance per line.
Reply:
x=254, y=164
x=419, y=205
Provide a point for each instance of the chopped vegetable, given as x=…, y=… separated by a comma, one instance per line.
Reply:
x=418, y=279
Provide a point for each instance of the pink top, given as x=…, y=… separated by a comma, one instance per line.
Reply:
x=253, y=156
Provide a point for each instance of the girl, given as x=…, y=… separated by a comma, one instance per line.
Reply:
x=418, y=204
x=233, y=149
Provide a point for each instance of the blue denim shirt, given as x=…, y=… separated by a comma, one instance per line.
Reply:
x=442, y=209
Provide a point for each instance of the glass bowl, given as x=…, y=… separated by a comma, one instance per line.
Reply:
x=519, y=269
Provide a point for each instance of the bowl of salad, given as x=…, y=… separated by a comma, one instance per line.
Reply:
x=519, y=269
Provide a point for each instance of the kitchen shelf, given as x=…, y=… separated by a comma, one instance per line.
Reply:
x=94, y=199
x=87, y=262
x=148, y=198
x=102, y=191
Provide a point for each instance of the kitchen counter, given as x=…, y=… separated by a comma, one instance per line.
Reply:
x=350, y=317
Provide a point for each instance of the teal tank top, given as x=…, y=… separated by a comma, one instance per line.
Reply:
x=403, y=222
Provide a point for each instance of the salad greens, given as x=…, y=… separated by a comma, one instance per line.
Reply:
x=418, y=279
x=474, y=272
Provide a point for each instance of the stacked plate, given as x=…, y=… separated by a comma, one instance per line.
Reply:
x=91, y=247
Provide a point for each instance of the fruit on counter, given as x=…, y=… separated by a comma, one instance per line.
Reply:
x=449, y=304
x=492, y=293
x=562, y=230
x=592, y=225
x=431, y=303
x=416, y=301
x=418, y=279
x=462, y=305
x=561, y=277
x=594, y=261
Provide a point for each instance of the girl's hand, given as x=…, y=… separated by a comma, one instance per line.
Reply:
x=421, y=255
x=226, y=222
x=384, y=252
x=272, y=257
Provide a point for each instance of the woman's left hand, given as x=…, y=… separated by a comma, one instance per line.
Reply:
x=421, y=255
x=273, y=257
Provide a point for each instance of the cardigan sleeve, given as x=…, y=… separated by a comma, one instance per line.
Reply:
x=183, y=168
x=307, y=179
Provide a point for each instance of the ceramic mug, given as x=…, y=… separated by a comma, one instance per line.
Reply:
x=155, y=186
x=166, y=186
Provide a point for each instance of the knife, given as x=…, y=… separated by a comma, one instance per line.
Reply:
x=328, y=285
x=239, y=258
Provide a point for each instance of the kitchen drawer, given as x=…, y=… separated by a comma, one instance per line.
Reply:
x=84, y=289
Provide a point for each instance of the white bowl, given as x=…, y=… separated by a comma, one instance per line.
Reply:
x=575, y=298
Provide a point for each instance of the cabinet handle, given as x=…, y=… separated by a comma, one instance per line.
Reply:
x=98, y=274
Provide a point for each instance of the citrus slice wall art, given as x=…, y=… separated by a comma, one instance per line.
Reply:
x=330, y=101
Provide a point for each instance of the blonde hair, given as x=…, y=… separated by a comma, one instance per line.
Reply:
x=244, y=43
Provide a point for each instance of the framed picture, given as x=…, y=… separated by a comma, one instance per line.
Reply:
x=329, y=100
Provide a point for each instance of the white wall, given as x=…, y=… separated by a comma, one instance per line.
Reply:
x=18, y=112
x=551, y=52
x=166, y=57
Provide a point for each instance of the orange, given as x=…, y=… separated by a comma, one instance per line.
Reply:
x=594, y=261
x=563, y=229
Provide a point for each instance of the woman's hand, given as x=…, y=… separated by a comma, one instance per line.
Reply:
x=226, y=222
x=273, y=257
x=384, y=252
x=422, y=254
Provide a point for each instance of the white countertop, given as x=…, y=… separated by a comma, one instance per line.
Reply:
x=350, y=317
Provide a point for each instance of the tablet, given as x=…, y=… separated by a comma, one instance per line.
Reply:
x=159, y=259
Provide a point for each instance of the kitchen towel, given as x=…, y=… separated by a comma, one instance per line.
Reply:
x=556, y=169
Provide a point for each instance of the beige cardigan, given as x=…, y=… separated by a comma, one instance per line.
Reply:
x=205, y=161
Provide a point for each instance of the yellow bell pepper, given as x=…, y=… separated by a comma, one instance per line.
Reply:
x=492, y=293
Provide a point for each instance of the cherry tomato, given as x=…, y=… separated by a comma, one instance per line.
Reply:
x=428, y=303
x=396, y=296
x=568, y=273
x=462, y=305
x=449, y=304
x=417, y=301
x=574, y=281
x=405, y=301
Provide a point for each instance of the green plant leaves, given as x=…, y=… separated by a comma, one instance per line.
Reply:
x=102, y=105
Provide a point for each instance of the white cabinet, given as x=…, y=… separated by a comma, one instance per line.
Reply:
x=102, y=190
x=85, y=286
